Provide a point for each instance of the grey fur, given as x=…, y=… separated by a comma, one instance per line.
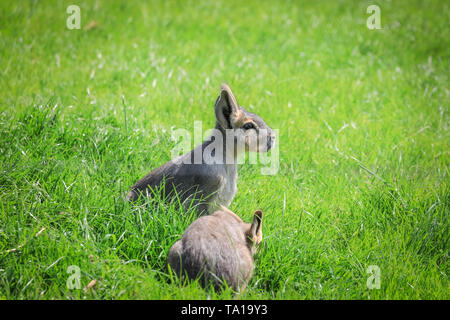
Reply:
x=207, y=184
x=218, y=247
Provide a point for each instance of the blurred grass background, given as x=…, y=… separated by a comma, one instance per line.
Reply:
x=364, y=143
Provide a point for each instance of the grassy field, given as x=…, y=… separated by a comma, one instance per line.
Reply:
x=362, y=114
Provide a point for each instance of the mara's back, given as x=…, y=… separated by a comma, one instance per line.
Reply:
x=215, y=248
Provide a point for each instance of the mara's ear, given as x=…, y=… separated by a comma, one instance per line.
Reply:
x=226, y=107
x=256, y=227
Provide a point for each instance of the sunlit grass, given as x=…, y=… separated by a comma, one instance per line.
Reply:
x=364, y=143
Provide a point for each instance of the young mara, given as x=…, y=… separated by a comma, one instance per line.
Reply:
x=217, y=248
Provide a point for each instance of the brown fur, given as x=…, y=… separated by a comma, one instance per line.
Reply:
x=218, y=248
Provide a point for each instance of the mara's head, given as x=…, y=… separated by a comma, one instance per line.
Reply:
x=254, y=233
x=248, y=129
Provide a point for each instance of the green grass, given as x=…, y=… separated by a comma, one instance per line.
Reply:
x=364, y=143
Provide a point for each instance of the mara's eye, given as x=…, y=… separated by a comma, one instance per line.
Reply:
x=248, y=126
